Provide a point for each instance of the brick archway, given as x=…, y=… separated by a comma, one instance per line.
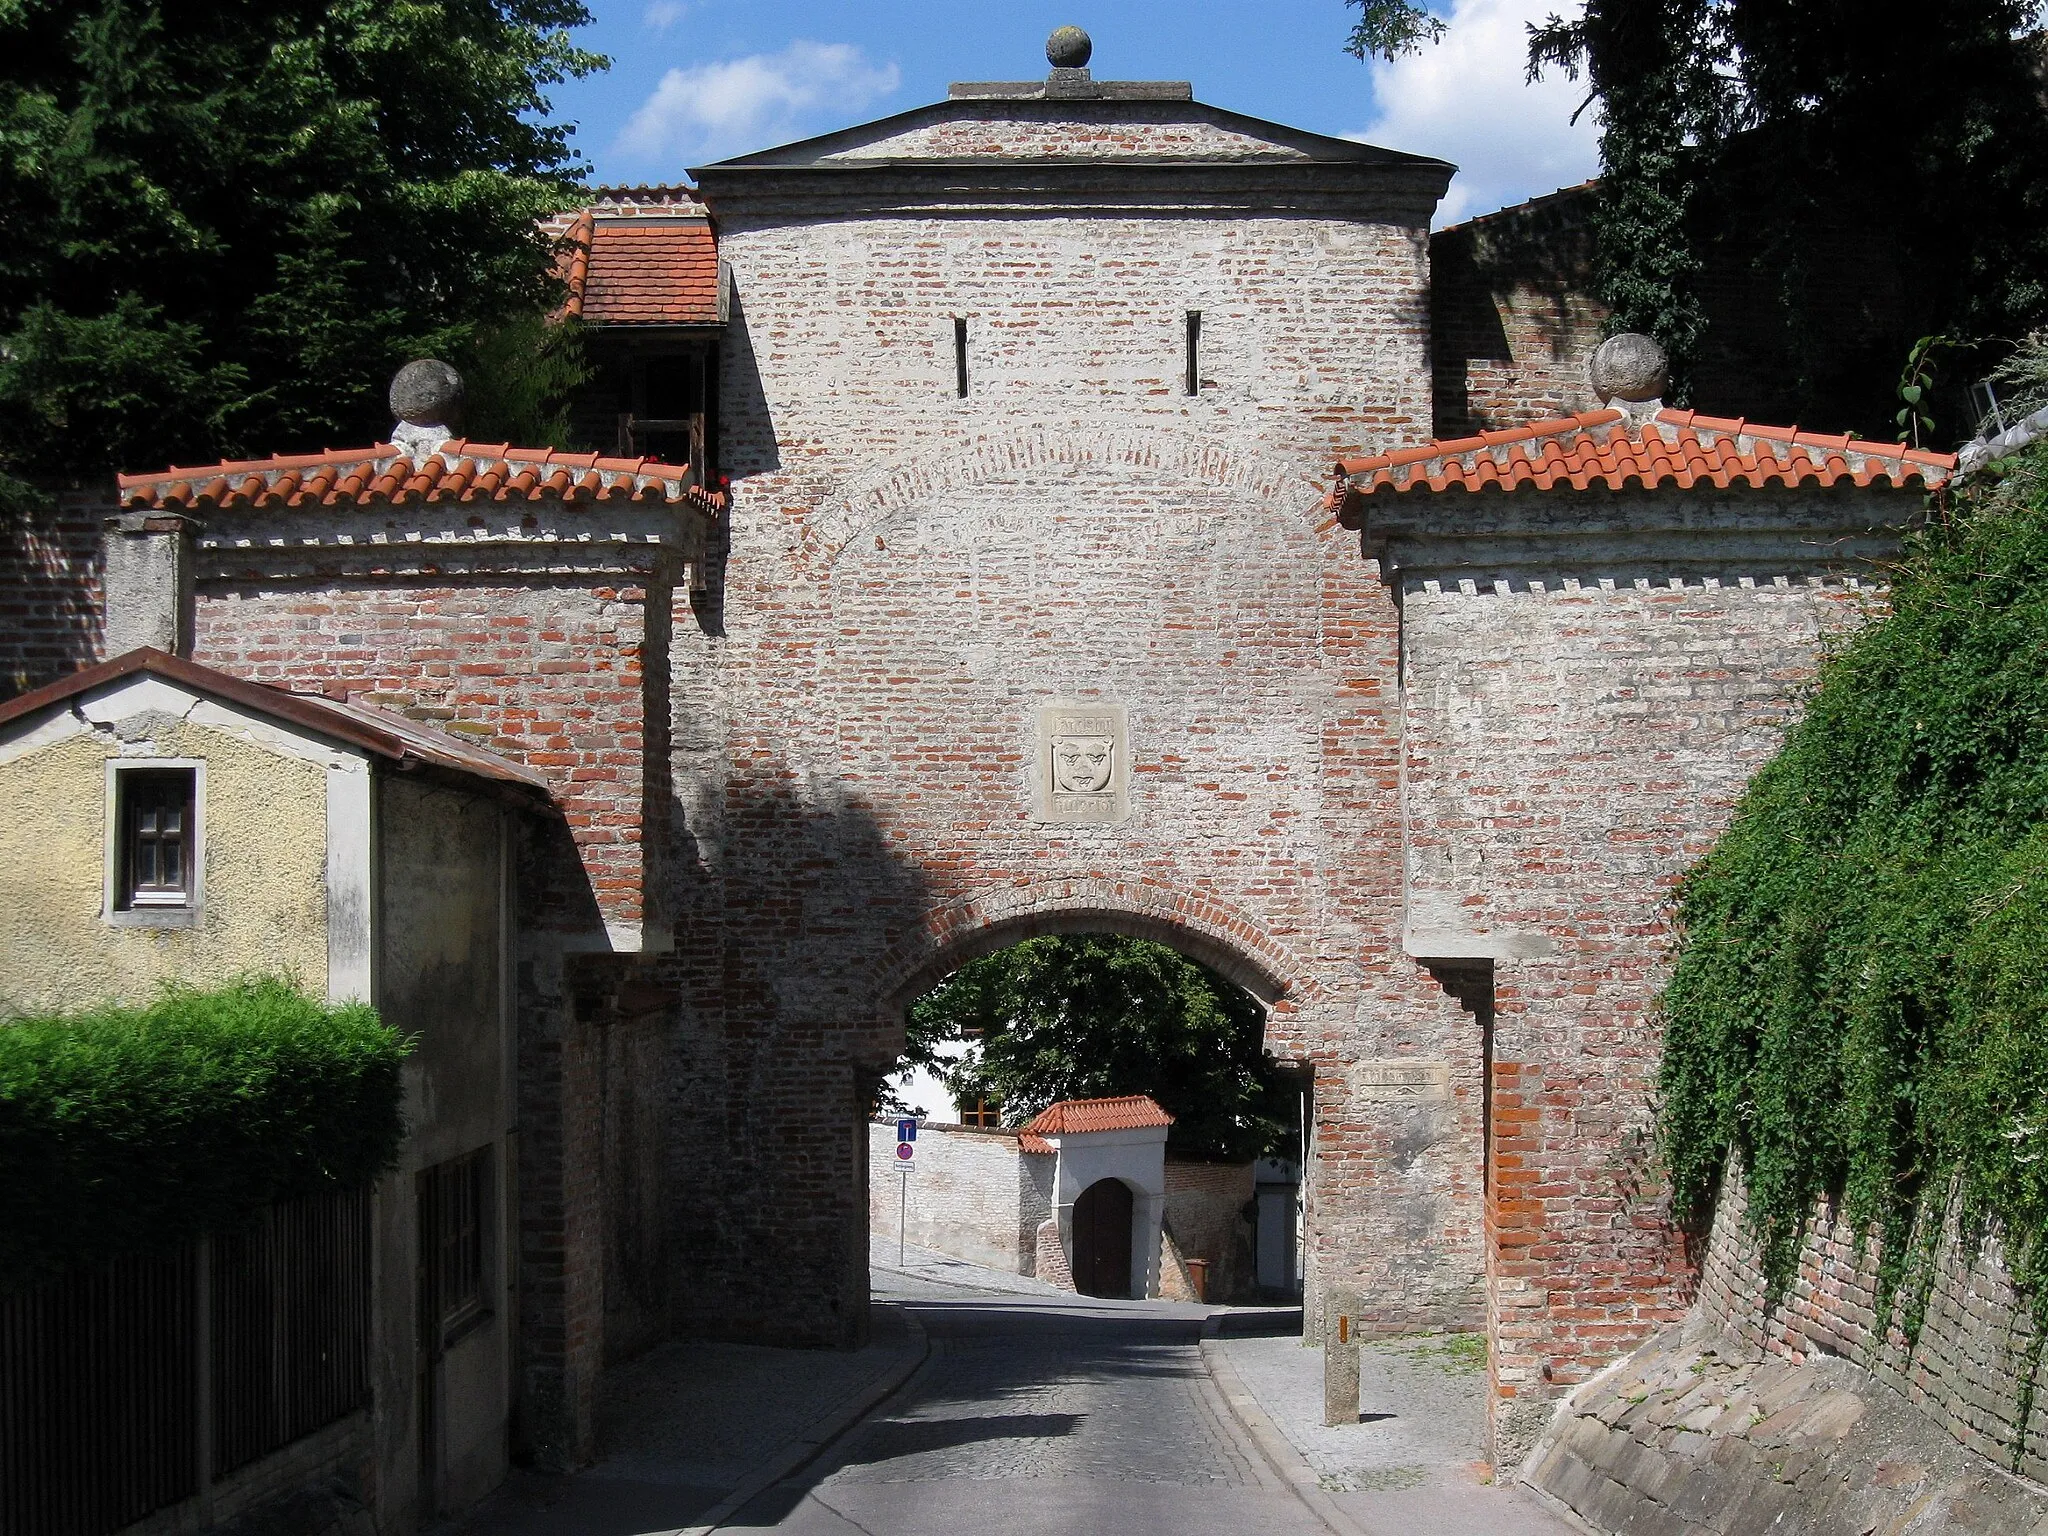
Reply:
x=1201, y=926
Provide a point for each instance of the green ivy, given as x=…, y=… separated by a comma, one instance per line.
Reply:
x=1860, y=992
x=137, y=1129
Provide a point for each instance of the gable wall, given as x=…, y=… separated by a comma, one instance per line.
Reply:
x=264, y=900
x=1015, y=130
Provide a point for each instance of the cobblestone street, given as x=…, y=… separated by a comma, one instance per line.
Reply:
x=1045, y=1417
x=994, y=1402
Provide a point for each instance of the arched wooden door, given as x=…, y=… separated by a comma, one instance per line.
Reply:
x=1102, y=1239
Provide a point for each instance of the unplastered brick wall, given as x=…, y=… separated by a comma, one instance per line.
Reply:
x=50, y=618
x=971, y=1193
x=1205, y=1215
x=1512, y=315
x=546, y=674
x=542, y=658
x=1577, y=735
x=913, y=576
x=1975, y=1367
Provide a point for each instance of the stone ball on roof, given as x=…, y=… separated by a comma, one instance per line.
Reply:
x=1069, y=48
x=1628, y=367
x=427, y=393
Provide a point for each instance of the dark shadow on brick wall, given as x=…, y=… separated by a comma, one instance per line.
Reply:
x=50, y=624
x=775, y=1057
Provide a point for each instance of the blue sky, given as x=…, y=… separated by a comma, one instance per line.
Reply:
x=695, y=80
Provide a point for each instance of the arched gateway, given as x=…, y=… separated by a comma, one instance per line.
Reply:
x=1028, y=607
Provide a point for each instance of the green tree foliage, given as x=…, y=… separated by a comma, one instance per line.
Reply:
x=1094, y=1016
x=137, y=1129
x=224, y=226
x=1386, y=29
x=1802, y=139
x=1860, y=1001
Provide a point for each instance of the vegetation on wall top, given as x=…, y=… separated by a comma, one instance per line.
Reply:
x=228, y=224
x=1860, y=1001
x=1808, y=145
x=137, y=1129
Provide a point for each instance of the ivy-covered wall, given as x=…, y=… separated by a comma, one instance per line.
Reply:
x=1860, y=1001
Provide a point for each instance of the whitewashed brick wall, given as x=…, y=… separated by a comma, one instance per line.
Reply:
x=971, y=1193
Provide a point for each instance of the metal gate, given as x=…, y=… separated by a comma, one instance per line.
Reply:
x=125, y=1387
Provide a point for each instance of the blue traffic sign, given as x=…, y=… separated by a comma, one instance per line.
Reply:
x=906, y=1130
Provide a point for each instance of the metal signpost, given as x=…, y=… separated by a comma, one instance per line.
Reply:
x=906, y=1159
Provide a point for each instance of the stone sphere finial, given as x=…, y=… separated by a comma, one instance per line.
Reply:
x=1069, y=48
x=427, y=393
x=1628, y=367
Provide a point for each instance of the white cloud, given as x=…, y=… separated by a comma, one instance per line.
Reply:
x=710, y=111
x=662, y=14
x=1465, y=100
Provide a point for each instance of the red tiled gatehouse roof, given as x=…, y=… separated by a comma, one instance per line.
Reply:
x=1077, y=1117
x=385, y=475
x=1604, y=448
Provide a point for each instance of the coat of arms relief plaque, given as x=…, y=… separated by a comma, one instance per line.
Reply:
x=1083, y=762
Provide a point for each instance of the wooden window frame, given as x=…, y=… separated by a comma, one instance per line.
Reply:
x=122, y=907
x=986, y=1115
x=459, y=1198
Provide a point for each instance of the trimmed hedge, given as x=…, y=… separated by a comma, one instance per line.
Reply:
x=137, y=1129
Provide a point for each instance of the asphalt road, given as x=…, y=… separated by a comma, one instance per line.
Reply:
x=1043, y=1417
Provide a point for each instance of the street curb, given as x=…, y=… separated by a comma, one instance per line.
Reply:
x=1555, y=1506
x=822, y=1437
x=1287, y=1462
x=1293, y=1467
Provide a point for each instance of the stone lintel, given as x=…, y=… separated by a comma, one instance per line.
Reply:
x=1441, y=944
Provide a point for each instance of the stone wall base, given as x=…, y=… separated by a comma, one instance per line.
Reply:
x=1697, y=1432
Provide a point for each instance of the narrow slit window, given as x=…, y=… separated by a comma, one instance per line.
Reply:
x=1194, y=381
x=960, y=356
x=157, y=844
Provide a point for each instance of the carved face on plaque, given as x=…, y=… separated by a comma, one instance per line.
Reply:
x=1081, y=765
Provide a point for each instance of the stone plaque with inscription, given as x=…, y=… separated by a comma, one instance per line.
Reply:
x=1401, y=1080
x=1083, y=764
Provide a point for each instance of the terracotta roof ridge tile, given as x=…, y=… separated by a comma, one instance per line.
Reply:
x=457, y=471
x=1672, y=446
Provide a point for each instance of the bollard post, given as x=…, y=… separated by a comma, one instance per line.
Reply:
x=1340, y=1357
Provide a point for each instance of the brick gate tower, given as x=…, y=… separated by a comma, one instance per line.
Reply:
x=1032, y=619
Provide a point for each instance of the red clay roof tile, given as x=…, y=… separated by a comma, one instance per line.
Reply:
x=384, y=475
x=1674, y=448
x=378, y=730
x=1077, y=1117
x=635, y=263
